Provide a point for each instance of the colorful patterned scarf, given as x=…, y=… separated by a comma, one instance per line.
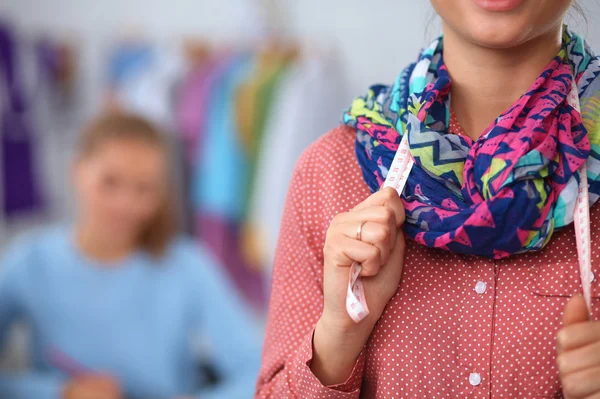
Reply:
x=504, y=193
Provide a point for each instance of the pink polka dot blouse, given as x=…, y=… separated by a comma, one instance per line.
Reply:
x=458, y=326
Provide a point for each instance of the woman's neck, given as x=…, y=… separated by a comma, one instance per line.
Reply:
x=486, y=82
x=101, y=248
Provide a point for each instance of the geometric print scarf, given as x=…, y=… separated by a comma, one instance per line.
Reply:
x=504, y=193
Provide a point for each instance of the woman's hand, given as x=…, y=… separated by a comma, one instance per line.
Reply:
x=578, y=344
x=338, y=340
x=93, y=387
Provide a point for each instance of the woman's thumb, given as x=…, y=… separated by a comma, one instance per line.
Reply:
x=576, y=311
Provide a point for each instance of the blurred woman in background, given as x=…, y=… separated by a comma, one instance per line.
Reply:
x=115, y=300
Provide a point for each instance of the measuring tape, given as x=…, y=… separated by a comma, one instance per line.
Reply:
x=582, y=218
x=356, y=303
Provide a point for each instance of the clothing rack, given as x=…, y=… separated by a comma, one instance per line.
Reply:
x=309, y=81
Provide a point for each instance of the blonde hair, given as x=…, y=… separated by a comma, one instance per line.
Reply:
x=157, y=235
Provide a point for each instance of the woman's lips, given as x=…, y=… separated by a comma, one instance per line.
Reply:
x=499, y=5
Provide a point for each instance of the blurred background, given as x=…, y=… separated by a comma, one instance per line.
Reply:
x=166, y=61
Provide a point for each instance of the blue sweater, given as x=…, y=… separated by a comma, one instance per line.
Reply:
x=136, y=320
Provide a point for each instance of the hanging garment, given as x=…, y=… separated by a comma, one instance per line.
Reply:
x=224, y=239
x=251, y=103
x=220, y=178
x=221, y=164
x=21, y=191
x=58, y=112
x=264, y=103
x=193, y=101
x=149, y=89
x=127, y=61
x=309, y=86
x=255, y=98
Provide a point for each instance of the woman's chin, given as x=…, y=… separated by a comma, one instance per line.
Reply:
x=501, y=24
x=500, y=33
x=499, y=39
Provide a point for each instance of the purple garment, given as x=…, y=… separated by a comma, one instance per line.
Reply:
x=21, y=191
x=191, y=111
x=223, y=238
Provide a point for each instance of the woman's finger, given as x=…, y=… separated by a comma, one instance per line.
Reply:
x=348, y=223
x=579, y=359
x=352, y=220
x=582, y=384
x=371, y=233
x=578, y=335
x=376, y=213
x=382, y=215
x=389, y=198
x=344, y=251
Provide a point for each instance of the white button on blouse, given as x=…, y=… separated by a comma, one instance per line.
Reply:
x=475, y=379
x=480, y=287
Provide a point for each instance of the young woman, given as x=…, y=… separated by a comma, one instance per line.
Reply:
x=468, y=274
x=115, y=301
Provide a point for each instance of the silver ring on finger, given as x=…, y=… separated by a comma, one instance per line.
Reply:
x=359, y=230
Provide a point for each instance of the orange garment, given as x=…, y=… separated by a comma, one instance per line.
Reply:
x=458, y=327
